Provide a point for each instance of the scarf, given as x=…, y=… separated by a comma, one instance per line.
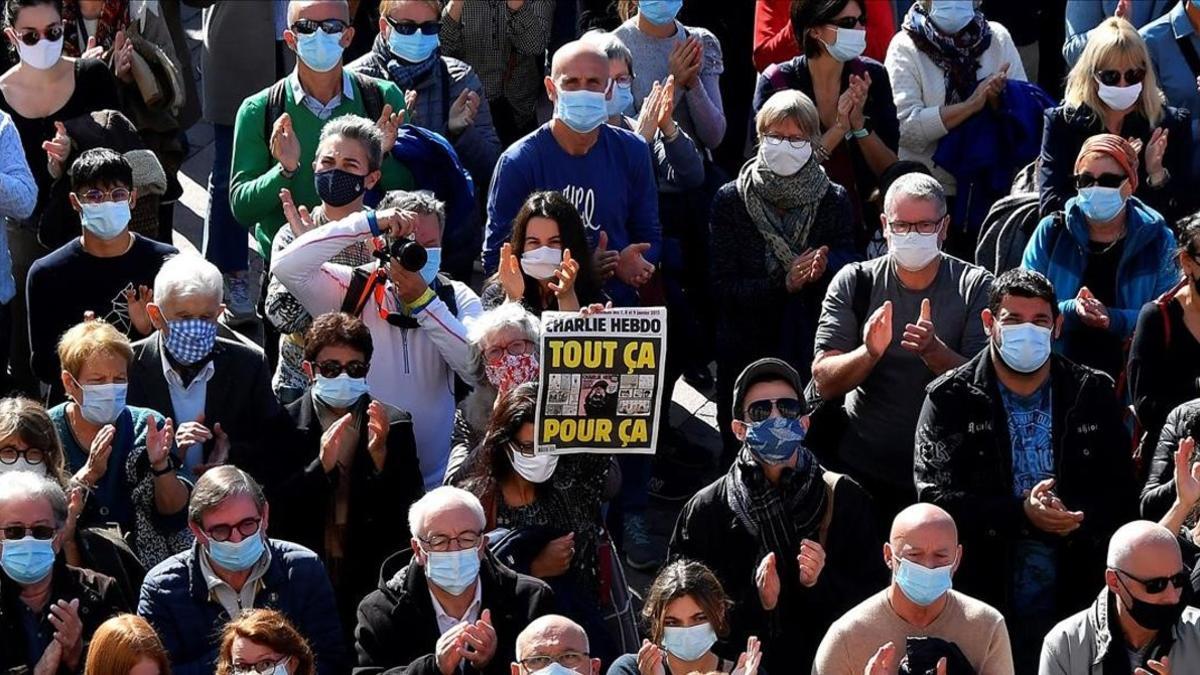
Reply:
x=778, y=516
x=783, y=208
x=406, y=75
x=114, y=16
x=957, y=55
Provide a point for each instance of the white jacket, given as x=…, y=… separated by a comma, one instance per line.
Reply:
x=411, y=369
x=919, y=90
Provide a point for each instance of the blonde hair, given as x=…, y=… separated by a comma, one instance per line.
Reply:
x=1109, y=42
x=85, y=340
x=789, y=104
x=120, y=643
x=386, y=6
x=627, y=9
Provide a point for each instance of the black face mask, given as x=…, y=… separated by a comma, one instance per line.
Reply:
x=1149, y=615
x=338, y=188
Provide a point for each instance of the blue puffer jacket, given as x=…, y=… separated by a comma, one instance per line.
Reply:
x=1148, y=266
x=175, y=600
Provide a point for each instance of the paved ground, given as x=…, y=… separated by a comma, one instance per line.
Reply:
x=693, y=413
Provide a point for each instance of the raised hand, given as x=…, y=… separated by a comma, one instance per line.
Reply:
x=666, y=108
x=862, y=87
x=1160, y=667
x=1123, y=9
x=648, y=117
x=285, y=146
x=747, y=663
x=335, y=442
x=555, y=558
x=51, y=659
x=692, y=59
x=632, y=267
x=811, y=561
x=605, y=261
x=1155, y=150
x=158, y=445
x=74, y=509
x=806, y=268
x=299, y=219
x=57, y=150
x=389, y=123
x=192, y=433
x=650, y=659
x=68, y=631
x=1187, y=473
x=136, y=300
x=220, y=454
x=1091, y=311
x=377, y=433
x=511, y=278
x=481, y=638
x=122, y=57
x=877, y=335
x=766, y=578
x=463, y=111
x=93, y=50
x=920, y=337
x=883, y=662
x=396, y=223
x=1046, y=511
x=565, y=275
x=97, y=461
x=449, y=650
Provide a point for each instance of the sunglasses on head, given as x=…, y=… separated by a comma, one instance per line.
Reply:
x=331, y=369
x=409, y=28
x=1105, y=180
x=328, y=26
x=31, y=36
x=1112, y=78
x=849, y=22
x=761, y=410
x=15, y=532
x=1179, y=580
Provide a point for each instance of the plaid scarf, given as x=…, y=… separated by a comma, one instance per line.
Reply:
x=783, y=208
x=957, y=55
x=114, y=16
x=407, y=75
x=778, y=516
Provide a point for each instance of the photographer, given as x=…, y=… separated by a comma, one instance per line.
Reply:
x=416, y=316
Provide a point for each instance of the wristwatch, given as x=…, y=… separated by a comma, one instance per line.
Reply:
x=287, y=174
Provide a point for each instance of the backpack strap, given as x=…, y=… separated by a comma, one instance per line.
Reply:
x=372, y=95
x=1162, y=302
x=1189, y=53
x=860, y=303
x=276, y=106
x=831, y=481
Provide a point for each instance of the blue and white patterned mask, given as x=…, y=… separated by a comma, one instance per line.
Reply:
x=775, y=439
x=190, y=340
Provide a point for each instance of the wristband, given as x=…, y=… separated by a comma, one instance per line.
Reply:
x=373, y=223
x=170, y=468
x=857, y=133
x=423, y=301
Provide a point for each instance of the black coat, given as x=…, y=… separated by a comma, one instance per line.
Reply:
x=963, y=463
x=710, y=532
x=301, y=495
x=397, y=628
x=1159, y=492
x=99, y=599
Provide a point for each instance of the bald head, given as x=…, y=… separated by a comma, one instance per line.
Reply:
x=318, y=10
x=920, y=520
x=1138, y=544
x=551, y=635
x=577, y=55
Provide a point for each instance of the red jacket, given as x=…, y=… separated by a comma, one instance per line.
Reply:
x=774, y=41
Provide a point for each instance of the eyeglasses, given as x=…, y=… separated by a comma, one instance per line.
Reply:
x=10, y=454
x=331, y=369
x=516, y=348
x=42, y=532
x=849, y=22
x=439, y=543
x=410, y=28
x=1179, y=580
x=259, y=668
x=794, y=141
x=32, y=36
x=328, y=26
x=99, y=196
x=1112, y=78
x=623, y=80
x=570, y=660
x=1108, y=180
x=523, y=448
x=246, y=528
x=761, y=410
x=922, y=227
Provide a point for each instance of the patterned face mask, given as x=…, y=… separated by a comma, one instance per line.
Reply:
x=511, y=370
x=190, y=340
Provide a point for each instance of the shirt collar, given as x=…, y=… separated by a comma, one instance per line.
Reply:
x=472, y=609
x=1180, y=25
x=298, y=92
x=173, y=378
x=214, y=582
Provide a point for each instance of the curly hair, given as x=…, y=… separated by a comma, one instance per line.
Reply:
x=270, y=629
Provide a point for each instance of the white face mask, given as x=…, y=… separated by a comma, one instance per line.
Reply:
x=784, y=160
x=23, y=464
x=913, y=251
x=1119, y=98
x=41, y=56
x=536, y=469
x=541, y=263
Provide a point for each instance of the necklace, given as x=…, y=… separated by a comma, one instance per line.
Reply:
x=1110, y=246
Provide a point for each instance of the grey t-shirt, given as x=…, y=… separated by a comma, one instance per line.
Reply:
x=883, y=410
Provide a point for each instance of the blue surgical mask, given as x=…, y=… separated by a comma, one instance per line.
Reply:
x=921, y=584
x=432, y=265
x=659, y=12
x=415, y=48
x=320, y=51
x=581, y=110
x=775, y=439
x=106, y=220
x=28, y=560
x=339, y=392
x=1024, y=347
x=190, y=340
x=237, y=557
x=622, y=99
x=851, y=43
x=452, y=571
x=102, y=403
x=691, y=643
x=1101, y=204
x=951, y=16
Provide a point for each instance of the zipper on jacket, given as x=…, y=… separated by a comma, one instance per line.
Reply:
x=404, y=341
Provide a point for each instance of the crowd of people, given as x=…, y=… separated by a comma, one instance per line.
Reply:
x=937, y=261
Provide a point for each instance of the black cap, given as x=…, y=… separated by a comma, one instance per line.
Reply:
x=763, y=370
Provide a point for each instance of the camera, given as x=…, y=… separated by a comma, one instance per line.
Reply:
x=408, y=253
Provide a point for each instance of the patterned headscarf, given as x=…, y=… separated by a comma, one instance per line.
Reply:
x=1119, y=149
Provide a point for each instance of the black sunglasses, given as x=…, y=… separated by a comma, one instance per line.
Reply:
x=1179, y=580
x=223, y=532
x=328, y=26
x=849, y=22
x=409, y=28
x=1112, y=78
x=787, y=407
x=1106, y=180
x=332, y=369
x=42, y=532
x=31, y=36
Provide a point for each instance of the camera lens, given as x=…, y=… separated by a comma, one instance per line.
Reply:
x=410, y=254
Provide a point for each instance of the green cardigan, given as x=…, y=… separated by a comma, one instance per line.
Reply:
x=256, y=178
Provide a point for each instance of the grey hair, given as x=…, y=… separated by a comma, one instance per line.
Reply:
x=445, y=495
x=187, y=274
x=611, y=45
x=915, y=186
x=789, y=104
x=19, y=485
x=217, y=485
x=419, y=201
x=507, y=315
x=1133, y=536
x=359, y=129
